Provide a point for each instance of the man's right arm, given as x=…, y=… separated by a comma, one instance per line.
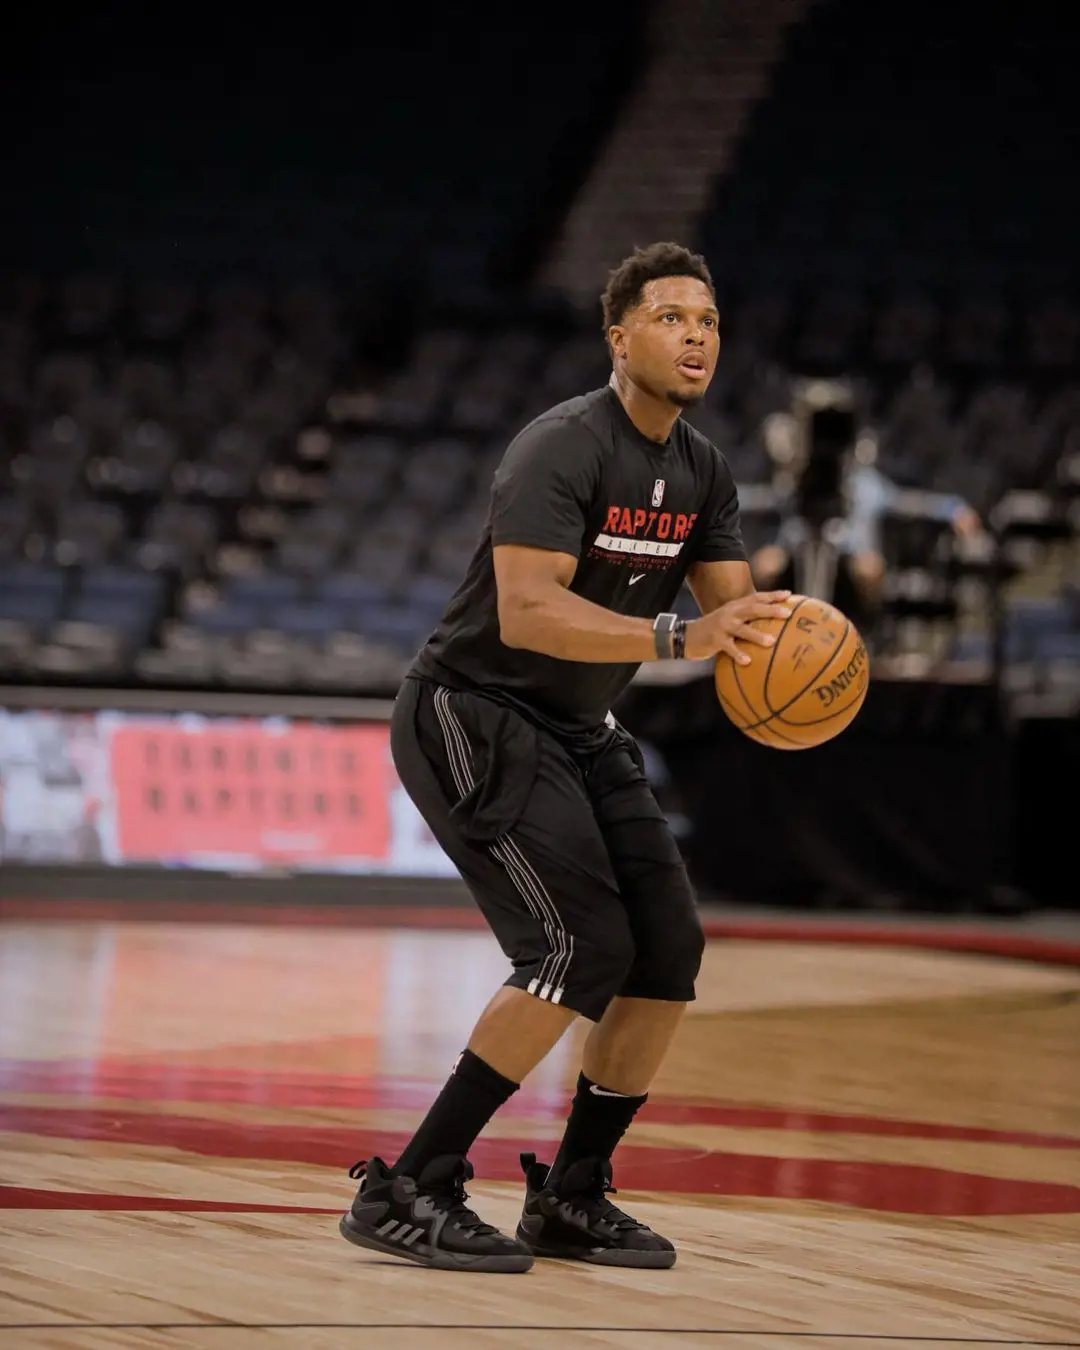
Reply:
x=539, y=613
x=540, y=505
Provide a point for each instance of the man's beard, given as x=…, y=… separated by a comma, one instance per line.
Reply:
x=678, y=398
x=685, y=399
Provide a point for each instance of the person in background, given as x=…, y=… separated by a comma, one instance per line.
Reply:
x=854, y=534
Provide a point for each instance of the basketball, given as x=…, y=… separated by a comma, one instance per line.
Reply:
x=806, y=688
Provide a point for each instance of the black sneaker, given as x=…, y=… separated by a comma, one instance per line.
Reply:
x=426, y=1220
x=577, y=1221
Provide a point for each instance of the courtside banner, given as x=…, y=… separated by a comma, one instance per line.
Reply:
x=221, y=793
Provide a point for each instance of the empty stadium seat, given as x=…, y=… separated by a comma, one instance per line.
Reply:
x=263, y=591
x=323, y=467
x=228, y=618
x=352, y=589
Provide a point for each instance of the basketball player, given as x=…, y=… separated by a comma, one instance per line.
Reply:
x=503, y=737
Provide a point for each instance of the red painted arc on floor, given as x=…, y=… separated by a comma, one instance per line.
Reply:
x=149, y=1081
x=973, y=938
x=32, y=1197
x=885, y=1186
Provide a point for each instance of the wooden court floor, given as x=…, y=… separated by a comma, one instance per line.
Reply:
x=852, y=1145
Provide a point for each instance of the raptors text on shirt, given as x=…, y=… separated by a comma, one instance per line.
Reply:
x=645, y=538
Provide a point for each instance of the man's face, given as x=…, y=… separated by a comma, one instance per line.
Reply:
x=668, y=343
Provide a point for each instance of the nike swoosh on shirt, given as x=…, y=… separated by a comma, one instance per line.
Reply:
x=634, y=580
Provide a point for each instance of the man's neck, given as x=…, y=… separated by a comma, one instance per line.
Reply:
x=653, y=417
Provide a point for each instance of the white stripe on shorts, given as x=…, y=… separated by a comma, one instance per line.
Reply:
x=459, y=755
x=550, y=981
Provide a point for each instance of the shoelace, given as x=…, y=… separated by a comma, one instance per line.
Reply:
x=597, y=1206
x=451, y=1199
x=592, y=1200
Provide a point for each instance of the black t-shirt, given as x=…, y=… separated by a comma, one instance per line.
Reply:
x=581, y=479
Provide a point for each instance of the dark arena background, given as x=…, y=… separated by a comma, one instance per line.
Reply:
x=276, y=290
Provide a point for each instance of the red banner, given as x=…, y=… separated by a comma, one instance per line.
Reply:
x=276, y=792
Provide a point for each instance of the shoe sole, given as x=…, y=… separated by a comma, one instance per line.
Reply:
x=607, y=1256
x=440, y=1260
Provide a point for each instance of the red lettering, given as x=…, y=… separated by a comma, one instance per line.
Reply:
x=639, y=520
x=611, y=525
x=663, y=525
x=626, y=525
x=690, y=522
x=680, y=526
x=652, y=518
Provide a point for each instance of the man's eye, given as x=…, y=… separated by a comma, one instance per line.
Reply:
x=670, y=316
x=709, y=321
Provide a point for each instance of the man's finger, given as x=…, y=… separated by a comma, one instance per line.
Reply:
x=731, y=648
x=770, y=612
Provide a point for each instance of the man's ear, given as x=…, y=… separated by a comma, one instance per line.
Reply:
x=617, y=340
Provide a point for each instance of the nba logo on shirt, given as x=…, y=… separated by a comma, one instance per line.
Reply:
x=658, y=492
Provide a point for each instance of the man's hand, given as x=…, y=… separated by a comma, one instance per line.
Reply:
x=726, y=627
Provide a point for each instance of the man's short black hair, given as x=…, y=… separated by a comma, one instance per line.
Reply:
x=625, y=283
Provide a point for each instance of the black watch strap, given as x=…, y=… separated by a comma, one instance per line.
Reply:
x=669, y=634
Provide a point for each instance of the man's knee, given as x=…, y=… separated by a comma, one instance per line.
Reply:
x=603, y=967
x=666, y=967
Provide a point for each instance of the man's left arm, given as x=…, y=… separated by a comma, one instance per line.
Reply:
x=720, y=571
x=713, y=584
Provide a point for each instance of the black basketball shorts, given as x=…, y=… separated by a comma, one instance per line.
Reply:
x=564, y=848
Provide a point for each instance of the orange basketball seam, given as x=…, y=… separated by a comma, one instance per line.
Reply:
x=742, y=692
x=745, y=696
x=779, y=712
x=766, y=722
x=776, y=712
x=839, y=711
x=771, y=728
x=817, y=721
x=733, y=712
x=766, y=730
x=772, y=658
x=759, y=732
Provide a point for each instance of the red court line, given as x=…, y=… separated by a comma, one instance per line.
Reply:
x=975, y=941
x=972, y=939
x=894, y=1187
x=156, y=1082
x=31, y=1197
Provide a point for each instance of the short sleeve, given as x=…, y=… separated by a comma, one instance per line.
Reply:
x=545, y=486
x=721, y=538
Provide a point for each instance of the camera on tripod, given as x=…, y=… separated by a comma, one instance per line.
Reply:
x=827, y=429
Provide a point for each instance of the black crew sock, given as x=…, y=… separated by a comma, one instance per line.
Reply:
x=471, y=1096
x=598, y=1120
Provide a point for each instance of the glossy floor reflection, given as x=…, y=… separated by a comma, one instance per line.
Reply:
x=847, y=1141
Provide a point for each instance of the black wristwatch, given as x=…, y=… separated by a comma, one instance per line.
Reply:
x=669, y=634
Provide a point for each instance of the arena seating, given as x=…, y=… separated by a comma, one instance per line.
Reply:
x=901, y=210
x=904, y=207
x=345, y=152
x=900, y=154
x=197, y=487
x=218, y=485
